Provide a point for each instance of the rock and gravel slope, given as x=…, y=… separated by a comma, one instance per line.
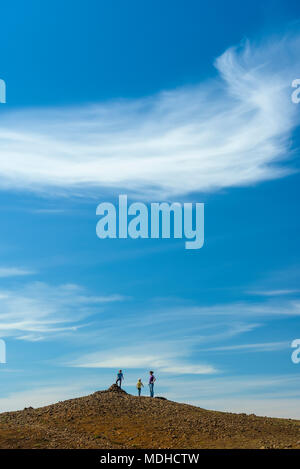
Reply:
x=114, y=419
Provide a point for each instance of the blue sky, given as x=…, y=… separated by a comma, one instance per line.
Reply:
x=163, y=102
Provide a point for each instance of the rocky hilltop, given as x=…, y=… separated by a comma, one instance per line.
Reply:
x=114, y=419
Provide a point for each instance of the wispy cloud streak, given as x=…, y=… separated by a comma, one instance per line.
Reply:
x=232, y=130
x=14, y=272
x=259, y=347
x=38, y=310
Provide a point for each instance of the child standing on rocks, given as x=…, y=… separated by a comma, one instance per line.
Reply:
x=139, y=386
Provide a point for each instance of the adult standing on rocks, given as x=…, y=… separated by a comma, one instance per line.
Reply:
x=120, y=378
x=152, y=380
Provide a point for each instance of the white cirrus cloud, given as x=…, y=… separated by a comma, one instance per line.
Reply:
x=38, y=310
x=274, y=292
x=231, y=130
x=257, y=347
x=14, y=272
x=164, y=359
x=244, y=310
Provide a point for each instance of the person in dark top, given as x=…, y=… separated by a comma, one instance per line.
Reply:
x=120, y=378
x=152, y=380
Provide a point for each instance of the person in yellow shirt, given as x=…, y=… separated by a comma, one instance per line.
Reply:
x=139, y=386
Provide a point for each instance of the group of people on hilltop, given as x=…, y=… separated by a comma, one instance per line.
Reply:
x=139, y=384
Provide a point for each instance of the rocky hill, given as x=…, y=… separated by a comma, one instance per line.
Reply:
x=114, y=419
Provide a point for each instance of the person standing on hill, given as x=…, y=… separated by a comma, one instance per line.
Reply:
x=152, y=380
x=139, y=386
x=120, y=378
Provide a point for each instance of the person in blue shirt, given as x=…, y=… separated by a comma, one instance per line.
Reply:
x=120, y=378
